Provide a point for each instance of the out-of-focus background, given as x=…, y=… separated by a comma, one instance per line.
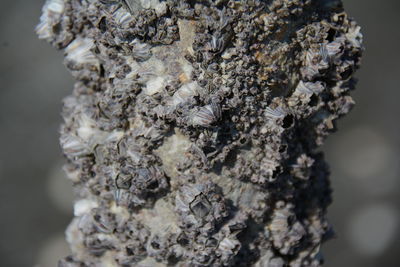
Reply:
x=36, y=198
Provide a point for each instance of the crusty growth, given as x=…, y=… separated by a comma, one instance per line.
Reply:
x=192, y=131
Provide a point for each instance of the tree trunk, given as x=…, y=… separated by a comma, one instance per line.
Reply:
x=193, y=129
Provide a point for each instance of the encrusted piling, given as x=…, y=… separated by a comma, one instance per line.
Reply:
x=193, y=129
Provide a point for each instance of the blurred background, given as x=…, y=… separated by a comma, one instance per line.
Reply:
x=36, y=198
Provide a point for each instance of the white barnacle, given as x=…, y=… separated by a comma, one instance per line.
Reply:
x=268, y=167
x=216, y=107
x=305, y=92
x=139, y=73
x=161, y=8
x=197, y=204
x=155, y=85
x=123, y=181
x=297, y=231
x=206, y=115
x=85, y=223
x=148, y=4
x=73, y=146
x=80, y=52
x=200, y=206
x=89, y=132
x=309, y=88
x=335, y=48
x=277, y=113
x=103, y=223
x=269, y=260
x=309, y=57
x=181, y=204
x=84, y=206
x=126, y=147
x=184, y=93
x=122, y=197
x=217, y=44
x=322, y=58
x=145, y=71
x=315, y=62
x=310, y=70
x=140, y=128
x=55, y=6
x=279, y=223
x=140, y=51
x=354, y=36
x=229, y=244
x=303, y=161
x=122, y=16
x=135, y=5
x=228, y=247
x=186, y=195
x=302, y=89
x=323, y=53
x=87, y=127
x=51, y=14
x=199, y=152
x=114, y=136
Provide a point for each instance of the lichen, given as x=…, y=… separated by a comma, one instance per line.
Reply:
x=193, y=129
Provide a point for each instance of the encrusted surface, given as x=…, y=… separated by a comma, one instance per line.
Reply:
x=192, y=131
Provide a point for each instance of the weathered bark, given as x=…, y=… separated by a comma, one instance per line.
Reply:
x=193, y=129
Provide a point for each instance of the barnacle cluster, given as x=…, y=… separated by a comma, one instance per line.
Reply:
x=193, y=128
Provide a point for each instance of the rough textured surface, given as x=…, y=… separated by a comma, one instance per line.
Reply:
x=193, y=129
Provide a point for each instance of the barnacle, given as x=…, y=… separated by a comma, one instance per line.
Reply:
x=122, y=16
x=193, y=129
x=207, y=115
x=51, y=15
x=79, y=52
x=198, y=206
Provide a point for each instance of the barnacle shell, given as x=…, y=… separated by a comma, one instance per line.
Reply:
x=73, y=145
x=193, y=129
x=207, y=115
x=140, y=51
x=185, y=92
x=122, y=16
x=51, y=15
x=80, y=52
x=275, y=113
